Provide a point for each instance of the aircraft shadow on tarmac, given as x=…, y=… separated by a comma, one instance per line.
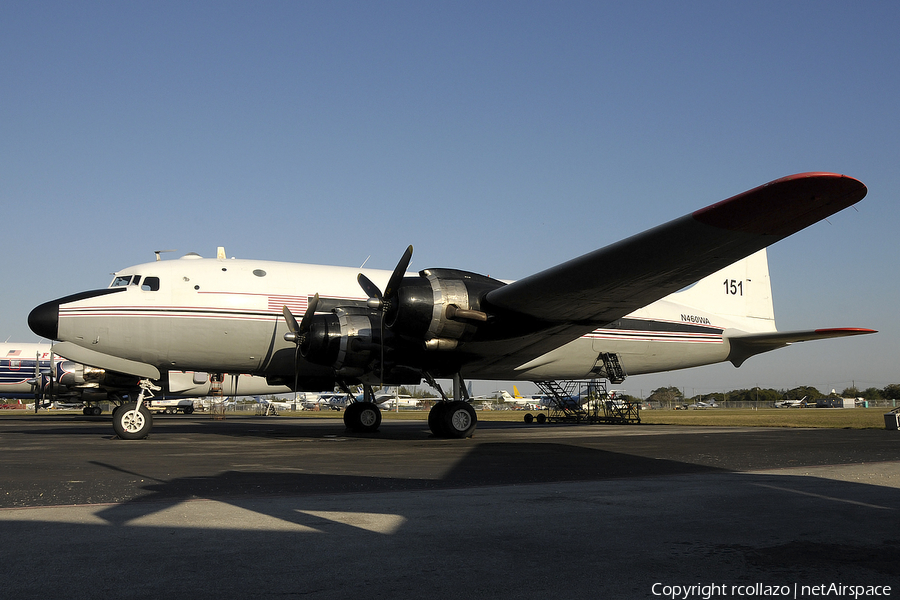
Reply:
x=487, y=464
x=646, y=518
x=524, y=464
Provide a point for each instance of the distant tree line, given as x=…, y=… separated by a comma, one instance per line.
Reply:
x=668, y=395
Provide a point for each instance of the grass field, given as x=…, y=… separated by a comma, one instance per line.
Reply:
x=855, y=418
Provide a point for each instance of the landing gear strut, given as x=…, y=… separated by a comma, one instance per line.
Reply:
x=452, y=418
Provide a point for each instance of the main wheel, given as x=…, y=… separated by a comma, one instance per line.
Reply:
x=350, y=415
x=363, y=417
x=436, y=419
x=459, y=419
x=132, y=424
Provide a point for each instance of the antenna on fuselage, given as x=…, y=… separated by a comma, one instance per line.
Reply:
x=158, y=252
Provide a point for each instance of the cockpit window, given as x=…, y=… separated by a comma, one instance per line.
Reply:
x=151, y=284
x=121, y=281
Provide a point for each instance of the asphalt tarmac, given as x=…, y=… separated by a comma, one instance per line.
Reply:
x=281, y=507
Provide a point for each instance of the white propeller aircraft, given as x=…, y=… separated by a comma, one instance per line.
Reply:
x=614, y=311
x=30, y=370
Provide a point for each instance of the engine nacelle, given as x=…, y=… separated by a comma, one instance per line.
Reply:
x=72, y=373
x=76, y=375
x=346, y=340
x=441, y=307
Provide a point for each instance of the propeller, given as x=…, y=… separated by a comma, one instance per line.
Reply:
x=297, y=331
x=38, y=382
x=384, y=302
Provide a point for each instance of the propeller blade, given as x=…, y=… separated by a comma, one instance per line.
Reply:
x=399, y=272
x=298, y=330
x=310, y=311
x=291, y=321
x=369, y=288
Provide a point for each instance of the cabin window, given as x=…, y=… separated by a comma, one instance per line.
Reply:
x=259, y=272
x=136, y=280
x=121, y=281
x=151, y=284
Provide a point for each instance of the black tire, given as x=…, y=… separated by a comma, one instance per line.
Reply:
x=436, y=419
x=528, y=418
x=364, y=418
x=131, y=424
x=96, y=411
x=459, y=420
x=541, y=418
x=350, y=415
x=86, y=411
x=189, y=410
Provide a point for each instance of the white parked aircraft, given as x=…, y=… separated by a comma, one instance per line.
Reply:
x=614, y=311
x=534, y=403
x=26, y=372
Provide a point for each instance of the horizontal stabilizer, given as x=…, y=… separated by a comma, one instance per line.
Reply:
x=745, y=346
x=99, y=360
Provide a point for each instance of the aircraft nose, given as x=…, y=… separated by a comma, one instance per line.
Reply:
x=44, y=320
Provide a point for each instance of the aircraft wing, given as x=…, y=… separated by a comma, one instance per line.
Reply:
x=100, y=360
x=747, y=345
x=569, y=300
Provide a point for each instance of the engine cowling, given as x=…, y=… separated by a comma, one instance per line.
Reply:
x=435, y=311
x=347, y=340
x=440, y=307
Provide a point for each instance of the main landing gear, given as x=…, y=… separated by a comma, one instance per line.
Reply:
x=452, y=418
x=448, y=418
x=363, y=416
x=132, y=420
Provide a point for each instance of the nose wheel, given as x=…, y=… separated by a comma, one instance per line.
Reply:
x=132, y=420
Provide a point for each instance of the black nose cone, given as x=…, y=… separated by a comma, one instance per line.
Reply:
x=44, y=320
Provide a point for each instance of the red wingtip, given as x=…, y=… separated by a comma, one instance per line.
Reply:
x=784, y=206
x=846, y=331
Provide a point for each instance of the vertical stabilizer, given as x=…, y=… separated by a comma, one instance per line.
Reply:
x=741, y=292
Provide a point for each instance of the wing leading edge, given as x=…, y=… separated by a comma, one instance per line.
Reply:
x=578, y=296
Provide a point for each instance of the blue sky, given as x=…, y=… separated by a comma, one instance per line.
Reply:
x=497, y=137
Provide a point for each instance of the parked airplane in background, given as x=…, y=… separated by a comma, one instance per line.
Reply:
x=517, y=399
x=390, y=398
x=613, y=312
x=33, y=371
x=801, y=403
x=26, y=372
x=702, y=404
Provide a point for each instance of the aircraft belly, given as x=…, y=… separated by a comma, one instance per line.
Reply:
x=574, y=360
x=124, y=337
x=667, y=356
x=580, y=359
x=225, y=345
